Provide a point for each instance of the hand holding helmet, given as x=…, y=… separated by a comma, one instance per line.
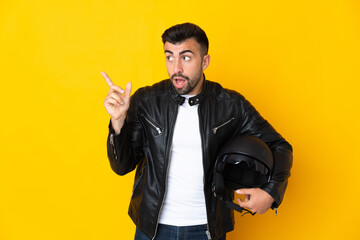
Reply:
x=244, y=164
x=256, y=200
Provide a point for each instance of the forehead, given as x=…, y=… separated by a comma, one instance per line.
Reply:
x=189, y=44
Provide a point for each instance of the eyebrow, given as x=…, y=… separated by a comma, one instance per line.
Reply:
x=182, y=52
x=185, y=51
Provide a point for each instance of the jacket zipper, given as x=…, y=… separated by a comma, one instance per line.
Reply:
x=138, y=180
x=167, y=171
x=152, y=124
x=204, y=157
x=220, y=126
x=162, y=203
x=113, y=145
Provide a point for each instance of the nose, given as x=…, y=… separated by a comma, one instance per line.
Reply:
x=178, y=66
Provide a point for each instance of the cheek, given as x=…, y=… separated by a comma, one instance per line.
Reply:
x=194, y=69
x=168, y=67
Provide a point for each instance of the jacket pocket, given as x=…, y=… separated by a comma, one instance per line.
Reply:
x=152, y=124
x=215, y=129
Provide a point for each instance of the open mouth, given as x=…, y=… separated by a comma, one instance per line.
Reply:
x=179, y=82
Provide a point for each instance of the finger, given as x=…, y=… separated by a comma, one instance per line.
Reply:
x=111, y=102
x=128, y=90
x=117, y=97
x=107, y=79
x=122, y=99
x=117, y=89
x=243, y=191
x=116, y=101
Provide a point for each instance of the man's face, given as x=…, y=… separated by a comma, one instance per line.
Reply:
x=185, y=65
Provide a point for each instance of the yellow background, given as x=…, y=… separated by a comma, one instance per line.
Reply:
x=296, y=61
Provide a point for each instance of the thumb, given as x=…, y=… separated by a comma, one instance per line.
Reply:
x=128, y=90
x=243, y=204
x=243, y=191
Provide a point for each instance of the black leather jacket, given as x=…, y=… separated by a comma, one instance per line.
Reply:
x=146, y=137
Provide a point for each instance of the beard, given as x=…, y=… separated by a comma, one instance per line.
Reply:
x=190, y=84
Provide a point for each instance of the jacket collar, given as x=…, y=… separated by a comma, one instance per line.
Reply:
x=193, y=100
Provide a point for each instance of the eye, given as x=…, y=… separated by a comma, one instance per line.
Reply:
x=186, y=58
x=169, y=58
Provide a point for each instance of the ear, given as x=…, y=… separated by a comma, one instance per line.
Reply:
x=206, y=61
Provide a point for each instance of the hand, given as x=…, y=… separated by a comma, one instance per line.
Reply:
x=256, y=200
x=117, y=103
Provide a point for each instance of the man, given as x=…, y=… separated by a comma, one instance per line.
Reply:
x=171, y=133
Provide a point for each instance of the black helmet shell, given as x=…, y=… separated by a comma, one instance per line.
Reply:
x=252, y=147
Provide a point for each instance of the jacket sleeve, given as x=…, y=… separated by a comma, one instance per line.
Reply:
x=124, y=150
x=254, y=124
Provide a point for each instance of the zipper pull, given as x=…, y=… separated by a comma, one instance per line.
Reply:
x=215, y=130
x=113, y=145
x=158, y=130
x=112, y=139
x=153, y=125
x=208, y=234
x=276, y=212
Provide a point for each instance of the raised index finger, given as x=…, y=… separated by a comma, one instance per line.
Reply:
x=107, y=79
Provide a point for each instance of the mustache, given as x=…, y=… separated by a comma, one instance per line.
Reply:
x=179, y=75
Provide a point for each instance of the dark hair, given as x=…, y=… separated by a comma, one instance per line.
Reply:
x=181, y=32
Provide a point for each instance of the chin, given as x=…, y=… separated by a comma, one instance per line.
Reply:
x=182, y=91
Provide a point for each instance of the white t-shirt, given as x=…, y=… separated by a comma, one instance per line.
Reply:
x=184, y=202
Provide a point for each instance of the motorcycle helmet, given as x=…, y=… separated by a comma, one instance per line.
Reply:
x=243, y=162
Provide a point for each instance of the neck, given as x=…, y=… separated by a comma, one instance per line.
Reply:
x=198, y=87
